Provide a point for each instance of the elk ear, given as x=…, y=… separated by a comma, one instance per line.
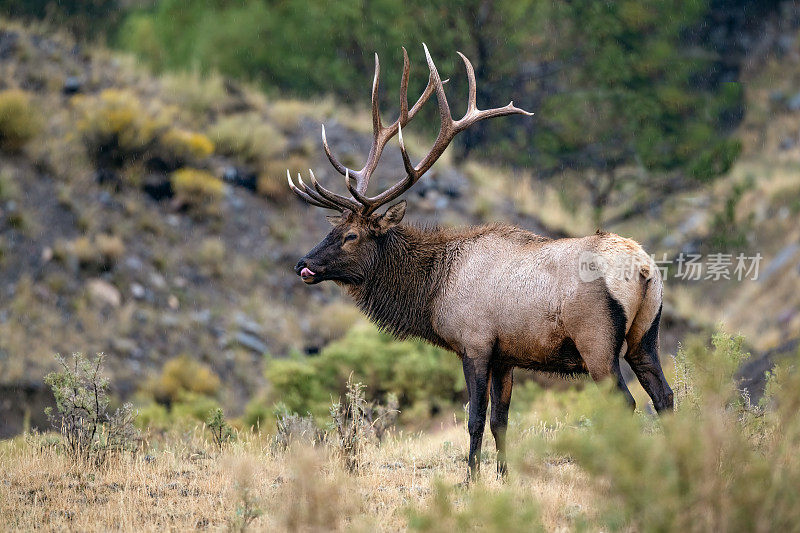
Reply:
x=392, y=216
x=334, y=220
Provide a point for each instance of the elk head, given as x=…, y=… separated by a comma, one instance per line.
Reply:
x=349, y=250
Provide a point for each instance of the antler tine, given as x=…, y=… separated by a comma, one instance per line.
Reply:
x=340, y=168
x=315, y=195
x=410, y=170
x=306, y=197
x=381, y=134
x=376, y=112
x=332, y=197
x=472, y=101
x=404, y=89
x=444, y=107
x=473, y=114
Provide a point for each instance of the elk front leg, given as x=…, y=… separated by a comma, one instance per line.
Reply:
x=502, y=378
x=476, y=374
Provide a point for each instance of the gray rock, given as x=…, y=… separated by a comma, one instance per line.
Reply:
x=137, y=291
x=133, y=262
x=202, y=317
x=793, y=104
x=72, y=85
x=247, y=324
x=103, y=292
x=158, y=280
x=777, y=96
x=236, y=203
x=780, y=259
x=251, y=342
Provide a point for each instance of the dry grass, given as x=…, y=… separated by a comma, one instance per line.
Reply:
x=182, y=482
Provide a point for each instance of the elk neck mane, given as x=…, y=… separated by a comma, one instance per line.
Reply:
x=410, y=266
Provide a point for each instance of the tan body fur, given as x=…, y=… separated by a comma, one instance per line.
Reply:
x=524, y=295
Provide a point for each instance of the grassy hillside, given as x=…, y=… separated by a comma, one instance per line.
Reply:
x=580, y=461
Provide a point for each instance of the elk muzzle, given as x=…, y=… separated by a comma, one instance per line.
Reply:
x=306, y=274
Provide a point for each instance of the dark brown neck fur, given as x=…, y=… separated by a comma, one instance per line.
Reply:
x=398, y=292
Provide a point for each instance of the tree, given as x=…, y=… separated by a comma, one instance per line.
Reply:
x=620, y=93
x=630, y=101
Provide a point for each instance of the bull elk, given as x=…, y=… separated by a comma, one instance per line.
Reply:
x=498, y=296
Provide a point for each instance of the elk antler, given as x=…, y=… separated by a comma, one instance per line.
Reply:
x=381, y=135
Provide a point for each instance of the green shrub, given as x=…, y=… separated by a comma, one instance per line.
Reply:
x=292, y=428
x=19, y=120
x=415, y=372
x=116, y=127
x=198, y=189
x=479, y=509
x=717, y=464
x=211, y=256
x=221, y=431
x=200, y=94
x=91, y=433
x=296, y=384
x=183, y=375
x=272, y=175
x=118, y=130
x=249, y=137
x=191, y=406
x=95, y=254
x=179, y=147
x=729, y=228
x=153, y=416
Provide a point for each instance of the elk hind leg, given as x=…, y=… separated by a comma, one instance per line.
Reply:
x=600, y=348
x=643, y=357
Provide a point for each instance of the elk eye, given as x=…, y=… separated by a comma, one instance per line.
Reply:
x=350, y=237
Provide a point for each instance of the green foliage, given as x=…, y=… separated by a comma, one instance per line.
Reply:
x=198, y=189
x=729, y=228
x=352, y=425
x=183, y=375
x=94, y=254
x=153, y=416
x=179, y=147
x=631, y=96
x=717, y=464
x=118, y=128
x=81, y=17
x=248, y=137
x=269, y=42
x=221, y=431
x=292, y=428
x=626, y=89
x=480, y=509
x=91, y=433
x=19, y=121
x=417, y=373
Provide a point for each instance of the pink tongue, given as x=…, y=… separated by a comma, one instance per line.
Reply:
x=305, y=273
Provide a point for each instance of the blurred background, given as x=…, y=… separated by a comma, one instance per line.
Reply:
x=144, y=211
